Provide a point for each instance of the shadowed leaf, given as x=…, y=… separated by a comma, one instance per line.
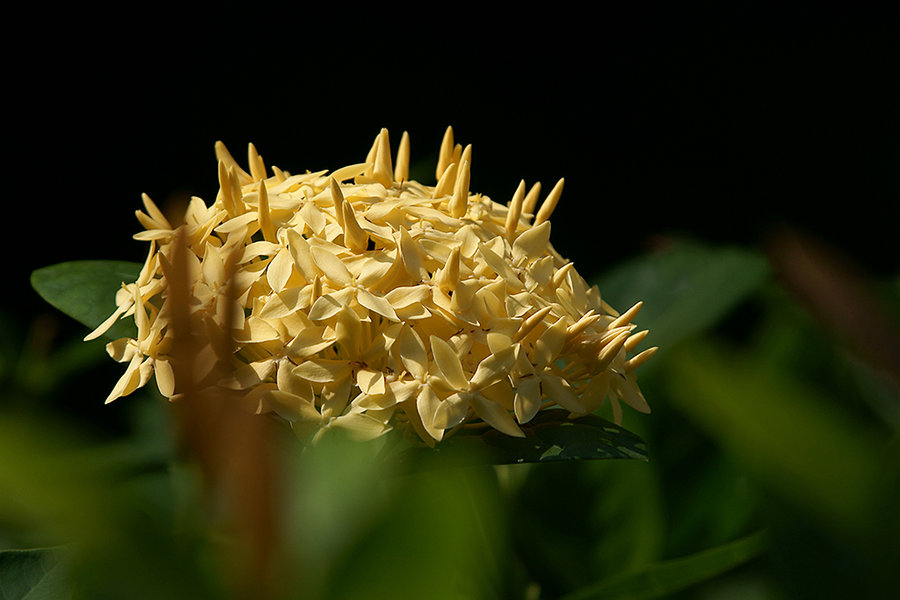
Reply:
x=550, y=436
x=664, y=578
x=35, y=574
x=686, y=288
x=783, y=429
x=86, y=290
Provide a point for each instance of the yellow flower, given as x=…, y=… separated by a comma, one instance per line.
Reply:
x=363, y=300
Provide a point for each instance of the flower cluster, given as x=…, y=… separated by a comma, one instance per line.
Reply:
x=361, y=299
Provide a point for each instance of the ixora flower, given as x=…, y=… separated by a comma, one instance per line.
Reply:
x=363, y=300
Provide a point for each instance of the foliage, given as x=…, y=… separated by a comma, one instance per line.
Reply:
x=84, y=289
x=769, y=469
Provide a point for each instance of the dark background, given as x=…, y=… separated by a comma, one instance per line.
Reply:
x=717, y=122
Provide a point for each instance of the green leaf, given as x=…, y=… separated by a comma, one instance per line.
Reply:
x=550, y=436
x=614, y=520
x=669, y=576
x=86, y=290
x=359, y=527
x=115, y=501
x=686, y=288
x=790, y=435
x=35, y=574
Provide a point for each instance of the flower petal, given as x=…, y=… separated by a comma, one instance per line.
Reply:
x=251, y=374
x=558, y=389
x=129, y=380
x=532, y=243
x=496, y=416
x=448, y=364
x=361, y=426
x=427, y=404
x=627, y=389
x=412, y=256
x=308, y=342
x=493, y=368
x=348, y=332
x=595, y=392
x=292, y=407
x=280, y=270
x=528, y=399
x=320, y=370
x=105, y=325
x=411, y=352
x=500, y=267
x=335, y=398
x=371, y=382
x=401, y=297
x=401, y=391
x=376, y=304
x=300, y=252
x=165, y=377
x=324, y=307
x=313, y=217
x=331, y=266
x=255, y=331
x=550, y=344
x=451, y=411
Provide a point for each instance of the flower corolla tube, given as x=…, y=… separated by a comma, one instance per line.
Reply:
x=364, y=300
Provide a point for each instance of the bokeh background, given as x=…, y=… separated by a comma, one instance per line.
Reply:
x=726, y=124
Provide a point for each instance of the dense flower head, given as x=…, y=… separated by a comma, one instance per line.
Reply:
x=363, y=300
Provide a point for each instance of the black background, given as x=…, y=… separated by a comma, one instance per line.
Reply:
x=719, y=122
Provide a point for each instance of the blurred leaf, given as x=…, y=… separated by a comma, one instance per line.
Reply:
x=334, y=494
x=791, y=339
x=440, y=537
x=86, y=290
x=113, y=504
x=677, y=574
x=44, y=482
x=579, y=521
x=789, y=437
x=686, y=288
x=840, y=295
x=550, y=436
x=719, y=505
x=41, y=374
x=35, y=574
x=59, y=480
x=627, y=502
x=356, y=527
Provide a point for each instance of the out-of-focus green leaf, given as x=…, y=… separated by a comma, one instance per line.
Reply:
x=55, y=478
x=627, y=501
x=550, y=436
x=44, y=374
x=35, y=574
x=794, y=441
x=686, y=288
x=357, y=527
x=584, y=520
x=112, y=504
x=718, y=506
x=671, y=576
x=86, y=290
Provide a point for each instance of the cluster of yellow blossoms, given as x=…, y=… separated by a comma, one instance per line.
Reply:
x=363, y=300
